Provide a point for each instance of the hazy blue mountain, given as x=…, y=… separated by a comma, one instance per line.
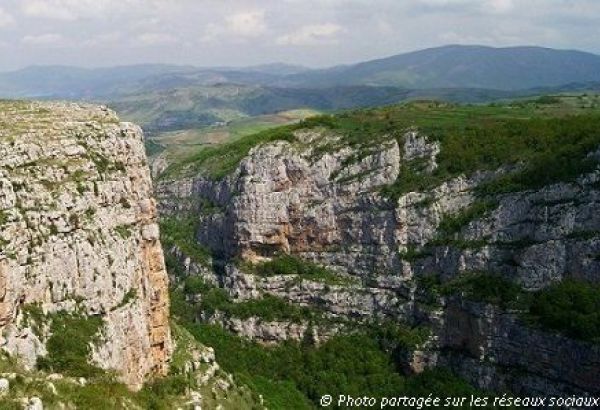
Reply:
x=509, y=68
x=83, y=83
x=279, y=69
x=73, y=82
x=463, y=67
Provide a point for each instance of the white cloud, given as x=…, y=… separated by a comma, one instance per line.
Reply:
x=247, y=24
x=462, y=6
x=49, y=39
x=104, y=40
x=239, y=26
x=246, y=32
x=155, y=39
x=48, y=10
x=501, y=6
x=71, y=10
x=313, y=34
x=6, y=19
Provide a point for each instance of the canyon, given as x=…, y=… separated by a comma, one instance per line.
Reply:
x=323, y=201
x=84, y=290
x=332, y=229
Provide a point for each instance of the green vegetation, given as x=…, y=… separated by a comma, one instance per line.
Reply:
x=34, y=317
x=3, y=217
x=412, y=178
x=292, y=265
x=550, y=142
x=295, y=375
x=545, y=141
x=220, y=161
x=488, y=288
x=103, y=391
x=292, y=375
x=124, y=231
x=153, y=148
x=268, y=308
x=130, y=296
x=69, y=344
x=570, y=307
x=194, y=285
x=181, y=232
x=453, y=224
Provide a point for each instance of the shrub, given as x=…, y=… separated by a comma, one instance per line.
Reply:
x=3, y=217
x=570, y=307
x=488, y=288
x=346, y=364
x=181, y=232
x=194, y=285
x=292, y=265
x=453, y=224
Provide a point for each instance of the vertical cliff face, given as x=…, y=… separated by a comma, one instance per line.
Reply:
x=329, y=206
x=282, y=200
x=78, y=233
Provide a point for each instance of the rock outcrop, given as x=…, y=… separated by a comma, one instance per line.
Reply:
x=279, y=200
x=326, y=205
x=78, y=232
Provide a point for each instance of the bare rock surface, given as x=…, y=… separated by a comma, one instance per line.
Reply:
x=329, y=207
x=78, y=231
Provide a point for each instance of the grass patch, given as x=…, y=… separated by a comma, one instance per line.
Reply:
x=4, y=216
x=219, y=161
x=130, y=296
x=69, y=345
x=124, y=231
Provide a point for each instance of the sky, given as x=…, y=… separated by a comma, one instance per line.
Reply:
x=313, y=33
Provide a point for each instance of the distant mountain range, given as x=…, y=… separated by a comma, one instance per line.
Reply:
x=170, y=97
x=512, y=68
x=505, y=69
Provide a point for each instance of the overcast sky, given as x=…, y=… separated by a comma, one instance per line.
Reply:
x=249, y=32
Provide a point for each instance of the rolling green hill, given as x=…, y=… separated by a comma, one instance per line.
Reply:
x=475, y=136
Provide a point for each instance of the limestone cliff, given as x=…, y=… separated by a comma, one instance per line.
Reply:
x=326, y=205
x=78, y=232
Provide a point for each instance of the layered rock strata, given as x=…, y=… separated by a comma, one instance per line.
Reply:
x=327, y=206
